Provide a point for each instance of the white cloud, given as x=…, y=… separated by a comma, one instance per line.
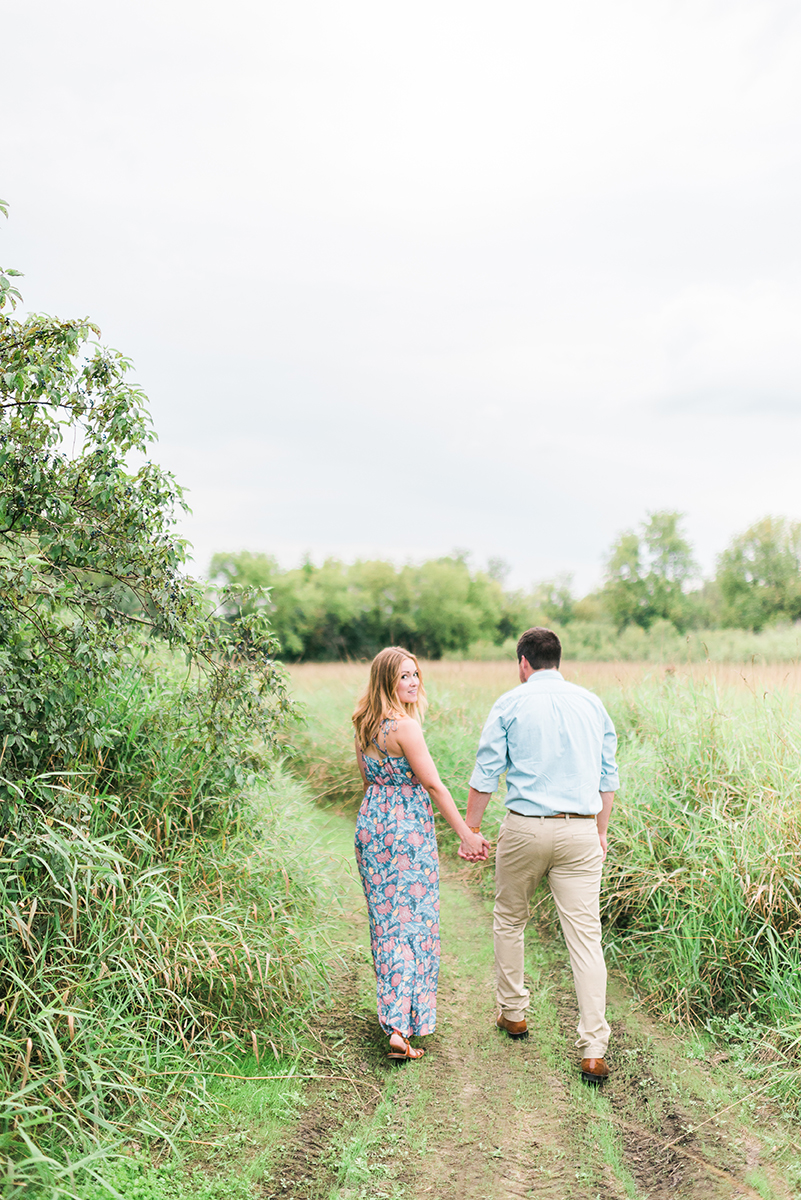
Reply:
x=731, y=349
x=501, y=276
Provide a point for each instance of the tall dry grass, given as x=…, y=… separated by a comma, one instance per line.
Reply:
x=492, y=678
x=587, y=641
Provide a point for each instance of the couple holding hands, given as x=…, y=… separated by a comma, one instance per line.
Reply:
x=556, y=743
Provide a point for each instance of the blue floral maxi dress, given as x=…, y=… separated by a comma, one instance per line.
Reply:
x=396, y=851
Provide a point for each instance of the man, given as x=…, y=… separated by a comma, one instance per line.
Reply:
x=556, y=743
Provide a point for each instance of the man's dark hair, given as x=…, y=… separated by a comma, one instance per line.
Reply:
x=541, y=648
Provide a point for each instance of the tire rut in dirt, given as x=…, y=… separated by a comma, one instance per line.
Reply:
x=660, y=1151
x=307, y=1167
x=483, y=1143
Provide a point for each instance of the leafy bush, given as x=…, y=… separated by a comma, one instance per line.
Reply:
x=89, y=564
x=140, y=932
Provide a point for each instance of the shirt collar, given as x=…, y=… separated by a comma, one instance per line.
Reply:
x=546, y=673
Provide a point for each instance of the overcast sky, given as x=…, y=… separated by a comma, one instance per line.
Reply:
x=402, y=278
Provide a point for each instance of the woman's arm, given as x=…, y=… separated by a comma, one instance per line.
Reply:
x=409, y=736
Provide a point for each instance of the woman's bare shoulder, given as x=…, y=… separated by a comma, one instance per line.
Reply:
x=398, y=730
x=406, y=729
x=401, y=720
x=394, y=720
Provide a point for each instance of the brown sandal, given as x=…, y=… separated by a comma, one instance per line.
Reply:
x=407, y=1052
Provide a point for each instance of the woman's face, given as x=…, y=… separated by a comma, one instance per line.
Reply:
x=409, y=682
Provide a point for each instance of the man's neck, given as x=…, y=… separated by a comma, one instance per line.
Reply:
x=525, y=670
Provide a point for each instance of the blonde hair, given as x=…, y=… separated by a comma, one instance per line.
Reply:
x=380, y=698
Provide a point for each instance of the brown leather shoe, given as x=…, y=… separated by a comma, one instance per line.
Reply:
x=515, y=1029
x=594, y=1070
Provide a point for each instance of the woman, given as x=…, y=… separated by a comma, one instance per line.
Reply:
x=396, y=846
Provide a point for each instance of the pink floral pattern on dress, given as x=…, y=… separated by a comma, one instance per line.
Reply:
x=396, y=851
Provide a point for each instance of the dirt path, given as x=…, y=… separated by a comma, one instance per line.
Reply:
x=481, y=1116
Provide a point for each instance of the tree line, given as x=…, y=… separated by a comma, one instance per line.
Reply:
x=350, y=610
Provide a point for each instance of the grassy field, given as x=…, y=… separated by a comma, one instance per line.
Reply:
x=702, y=889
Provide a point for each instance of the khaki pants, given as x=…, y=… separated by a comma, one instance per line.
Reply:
x=569, y=853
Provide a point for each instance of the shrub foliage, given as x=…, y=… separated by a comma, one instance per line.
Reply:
x=89, y=560
x=138, y=931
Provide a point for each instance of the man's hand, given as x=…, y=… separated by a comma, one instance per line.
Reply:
x=602, y=820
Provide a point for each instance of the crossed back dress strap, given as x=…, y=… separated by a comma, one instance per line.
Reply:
x=385, y=721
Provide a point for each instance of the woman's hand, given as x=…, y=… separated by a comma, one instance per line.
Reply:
x=474, y=847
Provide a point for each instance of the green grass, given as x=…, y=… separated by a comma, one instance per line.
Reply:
x=227, y=1151
x=366, y=1165
x=702, y=891
x=159, y=922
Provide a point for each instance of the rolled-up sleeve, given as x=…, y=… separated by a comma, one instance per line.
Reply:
x=492, y=754
x=610, y=780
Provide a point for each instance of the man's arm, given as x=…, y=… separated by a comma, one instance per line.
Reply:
x=602, y=820
x=476, y=803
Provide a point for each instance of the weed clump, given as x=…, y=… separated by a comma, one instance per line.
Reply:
x=703, y=887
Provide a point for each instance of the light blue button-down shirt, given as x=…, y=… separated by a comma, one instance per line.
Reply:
x=556, y=743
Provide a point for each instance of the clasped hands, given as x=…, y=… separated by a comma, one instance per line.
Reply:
x=474, y=848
